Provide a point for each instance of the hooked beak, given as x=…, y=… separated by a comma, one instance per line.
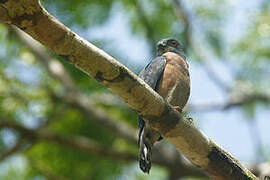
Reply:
x=161, y=45
x=161, y=48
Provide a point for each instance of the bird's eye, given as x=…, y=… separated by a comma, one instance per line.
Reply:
x=174, y=43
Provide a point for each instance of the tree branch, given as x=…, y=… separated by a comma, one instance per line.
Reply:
x=261, y=170
x=85, y=106
x=4, y=17
x=183, y=16
x=73, y=96
x=178, y=130
x=170, y=162
x=149, y=30
x=90, y=146
x=53, y=66
x=14, y=149
x=77, y=142
x=233, y=102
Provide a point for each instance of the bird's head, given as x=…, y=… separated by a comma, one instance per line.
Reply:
x=169, y=45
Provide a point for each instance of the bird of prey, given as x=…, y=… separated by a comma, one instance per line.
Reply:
x=168, y=75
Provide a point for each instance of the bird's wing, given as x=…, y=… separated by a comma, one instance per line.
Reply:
x=152, y=73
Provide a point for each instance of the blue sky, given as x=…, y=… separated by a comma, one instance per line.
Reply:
x=227, y=128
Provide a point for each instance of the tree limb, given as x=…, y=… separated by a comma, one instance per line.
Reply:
x=233, y=102
x=178, y=130
x=4, y=17
x=72, y=95
x=78, y=142
x=85, y=106
x=261, y=170
x=173, y=164
x=149, y=30
x=185, y=17
x=14, y=149
x=90, y=146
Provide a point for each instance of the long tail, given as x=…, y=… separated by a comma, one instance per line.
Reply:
x=145, y=152
x=144, y=147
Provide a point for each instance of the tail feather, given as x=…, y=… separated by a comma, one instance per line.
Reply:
x=141, y=125
x=147, y=138
x=144, y=154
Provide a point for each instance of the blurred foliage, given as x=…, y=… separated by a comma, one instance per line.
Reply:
x=82, y=13
x=72, y=163
x=26, y=87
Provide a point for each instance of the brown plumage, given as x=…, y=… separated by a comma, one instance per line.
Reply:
x=168, y=75
x=174, y=85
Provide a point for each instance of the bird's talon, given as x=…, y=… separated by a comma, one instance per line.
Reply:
x=177, y=108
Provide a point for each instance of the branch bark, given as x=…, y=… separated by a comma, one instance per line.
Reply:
x=169, y=162
x=78, y=100
x=4, y=17
x=32, y=18
x=90, y=146
x=72, y=95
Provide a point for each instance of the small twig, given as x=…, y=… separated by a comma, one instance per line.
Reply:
x=78, y=142
x=90, y=146
x=233, y=102
x=4, y=16
x=183, y=15
x=175, y=128
x=149, y=30
x=14, y=149
x=84, y=105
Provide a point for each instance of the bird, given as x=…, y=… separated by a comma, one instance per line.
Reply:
x=168, y=75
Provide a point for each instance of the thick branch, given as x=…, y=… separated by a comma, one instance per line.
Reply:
x=261, y=170
x=178, y=130
x=53, y=66
x=73, y=96
x=84, y=105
